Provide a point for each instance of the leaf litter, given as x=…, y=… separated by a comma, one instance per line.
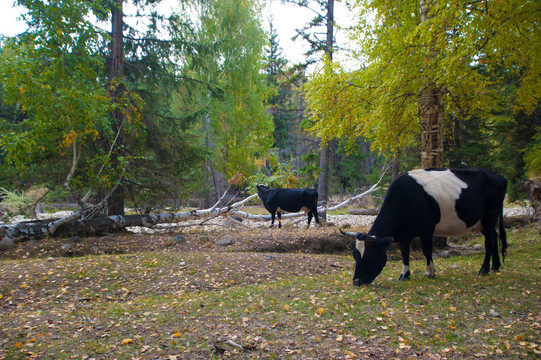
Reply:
x=269, y=295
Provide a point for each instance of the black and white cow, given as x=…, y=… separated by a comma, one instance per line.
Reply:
x=290, y=200
x=423, y=203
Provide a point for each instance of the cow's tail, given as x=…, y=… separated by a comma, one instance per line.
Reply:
x=503, y=236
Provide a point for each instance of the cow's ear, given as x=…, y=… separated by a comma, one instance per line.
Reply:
x=385, y=242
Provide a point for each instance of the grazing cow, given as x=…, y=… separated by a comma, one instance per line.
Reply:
x=423, y=203
x=290, y=200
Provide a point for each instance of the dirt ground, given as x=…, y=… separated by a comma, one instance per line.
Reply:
x=265, y=240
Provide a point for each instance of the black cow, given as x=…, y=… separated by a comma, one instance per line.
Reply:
x=423, y=203
x=290, y=200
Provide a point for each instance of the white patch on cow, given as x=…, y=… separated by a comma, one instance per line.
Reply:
x=278, y=209
x=405, y=269
x=445, y=187
x=305, y=209
x=360, y=245
x=430, y=270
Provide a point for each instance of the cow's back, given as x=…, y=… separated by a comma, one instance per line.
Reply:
x=452, y=202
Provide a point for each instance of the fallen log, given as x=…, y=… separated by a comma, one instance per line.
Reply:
x=363, y=211
x=78, y=224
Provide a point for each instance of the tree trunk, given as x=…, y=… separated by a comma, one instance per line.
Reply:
x=431, y=116
x=395, y=167
x=116, y=87
x=431, y=113
x=323, y=181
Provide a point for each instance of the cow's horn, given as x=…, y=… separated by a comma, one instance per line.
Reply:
x=348, y=233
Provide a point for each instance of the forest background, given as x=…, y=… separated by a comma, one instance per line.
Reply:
x=175, y=112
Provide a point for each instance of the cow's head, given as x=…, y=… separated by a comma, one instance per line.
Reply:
x=262, y=187
x=370, y=255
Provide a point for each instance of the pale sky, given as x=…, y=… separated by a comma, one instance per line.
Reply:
x=286, y=18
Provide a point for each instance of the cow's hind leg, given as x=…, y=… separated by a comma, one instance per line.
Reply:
x=489, y=246
x=309, y=219
x=279, y=219
x=427, y=251
x=495, y=256
x=316, y=216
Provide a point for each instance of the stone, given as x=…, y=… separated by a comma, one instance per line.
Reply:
x=446, y=254
x=179, y=239
x=478, y=247
x=75, y=239
x=6, y=244
x=67, y=247
x=226, y=242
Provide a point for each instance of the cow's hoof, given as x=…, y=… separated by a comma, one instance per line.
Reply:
x=430, y=276
x=495, y=269
x=357, y=282
x=404, y=277
x=483, y=272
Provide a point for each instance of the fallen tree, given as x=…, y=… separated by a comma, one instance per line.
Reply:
x=80, y=224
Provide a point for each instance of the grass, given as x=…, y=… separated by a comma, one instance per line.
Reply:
x=146, y=305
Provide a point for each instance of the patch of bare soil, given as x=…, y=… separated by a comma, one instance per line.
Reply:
x=266, y=240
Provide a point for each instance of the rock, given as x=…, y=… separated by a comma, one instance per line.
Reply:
x=6, y=244
x=32, y=242
x=226, y=242
x=493, y=313
x=478, y=247
x=446, y=254
x=109, y=238
x=179, y=239
x=268, y=257
x=67, y=247
x=75, y=239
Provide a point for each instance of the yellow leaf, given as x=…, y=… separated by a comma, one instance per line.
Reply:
x=452, y=308
x=285, y=307
x=519, y=338
x=340, y=338
x=19, y=345
x=1, y=296
x=177, y=334
x=127, y=341
x=320, y=311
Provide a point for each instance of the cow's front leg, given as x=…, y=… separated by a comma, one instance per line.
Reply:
x=279, y=219
x=272, y=219
x=405, y=251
